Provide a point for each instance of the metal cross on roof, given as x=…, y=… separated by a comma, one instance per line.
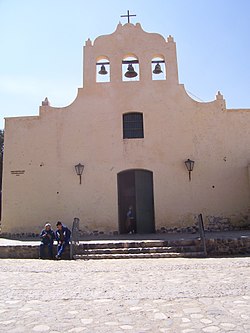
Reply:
x=128, y=16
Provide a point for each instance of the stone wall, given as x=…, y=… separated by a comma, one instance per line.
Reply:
x=25, y=252
x=225, y=247
x=19, y=252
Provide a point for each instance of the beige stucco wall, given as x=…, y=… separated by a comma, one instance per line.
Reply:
x=89, y=131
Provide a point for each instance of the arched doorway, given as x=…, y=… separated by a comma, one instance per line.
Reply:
x=135, y=188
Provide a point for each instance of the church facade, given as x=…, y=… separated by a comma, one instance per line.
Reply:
x=124, y=142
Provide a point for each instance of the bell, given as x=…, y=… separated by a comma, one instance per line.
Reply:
x=130, y=71
x=157, y=69
x=102, y=71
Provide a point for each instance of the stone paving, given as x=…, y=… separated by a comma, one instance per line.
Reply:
x=149, y=295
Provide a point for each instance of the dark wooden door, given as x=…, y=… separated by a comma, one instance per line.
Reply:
x=126, y=197
x=144, y=202
x=135, y=188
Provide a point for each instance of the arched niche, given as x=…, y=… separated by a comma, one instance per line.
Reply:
x=130, y=63
x=158, y=68
x=102, y=69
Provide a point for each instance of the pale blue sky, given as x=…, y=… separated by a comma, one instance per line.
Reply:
x=41, y=46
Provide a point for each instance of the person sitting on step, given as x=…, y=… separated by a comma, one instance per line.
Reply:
x=62, y=237
x=47, y=239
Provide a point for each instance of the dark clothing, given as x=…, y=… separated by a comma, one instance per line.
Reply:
x=60, y=235
x=131, y=222
x=47, y=237
x=63, y=235
x=60, y=249
x=42, y=249
x=130, y=214
x=47, y=240
x=63, y=238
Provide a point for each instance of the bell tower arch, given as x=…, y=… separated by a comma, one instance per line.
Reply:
x=130, y=39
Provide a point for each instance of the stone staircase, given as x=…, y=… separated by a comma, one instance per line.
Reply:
x=125, y=249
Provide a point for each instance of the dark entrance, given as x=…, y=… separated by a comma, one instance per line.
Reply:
x=135, y=187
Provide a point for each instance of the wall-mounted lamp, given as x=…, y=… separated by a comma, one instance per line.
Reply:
x=189, y=165
x=79, y=169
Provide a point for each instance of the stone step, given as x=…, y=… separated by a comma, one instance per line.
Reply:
x=135, y=250
x=138, y=249
x=137, y=244
x=139, y=255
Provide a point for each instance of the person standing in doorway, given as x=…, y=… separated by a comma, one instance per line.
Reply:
x=131, y=224
x=62, y=237
x=47, y=239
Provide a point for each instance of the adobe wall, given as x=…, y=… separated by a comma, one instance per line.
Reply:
x=40, y=183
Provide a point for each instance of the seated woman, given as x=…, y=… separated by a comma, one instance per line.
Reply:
x=47, y=239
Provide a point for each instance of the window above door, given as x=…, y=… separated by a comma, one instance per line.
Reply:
x=133, y=125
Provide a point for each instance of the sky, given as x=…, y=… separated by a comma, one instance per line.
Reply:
x=41, y=47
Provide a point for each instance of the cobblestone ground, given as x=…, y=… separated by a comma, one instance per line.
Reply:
x=150, y=295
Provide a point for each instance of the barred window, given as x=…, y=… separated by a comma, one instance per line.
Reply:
x=133, y=125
